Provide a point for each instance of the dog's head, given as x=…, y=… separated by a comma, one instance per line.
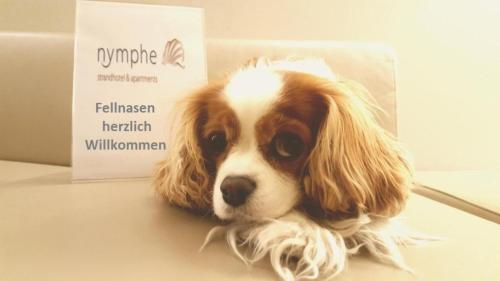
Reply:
x=279, y=135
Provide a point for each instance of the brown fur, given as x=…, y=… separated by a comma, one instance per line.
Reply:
x=296, y=111
x=355, y=165
x=217, y=117
x=183, y=178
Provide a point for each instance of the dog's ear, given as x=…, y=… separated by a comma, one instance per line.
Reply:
x=355, y=165
x=182, y=178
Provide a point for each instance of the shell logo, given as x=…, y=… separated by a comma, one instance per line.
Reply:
x=174, y=53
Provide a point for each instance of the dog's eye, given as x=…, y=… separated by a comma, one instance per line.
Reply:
x=287, y=146
x=217, y=142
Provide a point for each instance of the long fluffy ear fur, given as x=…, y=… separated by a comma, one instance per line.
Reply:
x=355, y=166
x=182, y=178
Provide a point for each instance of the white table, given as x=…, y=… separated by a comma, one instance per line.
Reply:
x=53, y=230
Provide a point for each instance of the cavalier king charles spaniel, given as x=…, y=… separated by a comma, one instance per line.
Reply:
x=293, y=157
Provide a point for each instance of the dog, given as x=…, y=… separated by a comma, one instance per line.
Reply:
x=293, y=156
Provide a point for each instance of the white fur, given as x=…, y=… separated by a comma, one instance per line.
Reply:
x=250, y=93
x=275, y=194
x=252, y=90
x=301, y=249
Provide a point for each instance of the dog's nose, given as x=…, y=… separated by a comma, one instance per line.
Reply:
x=236, y=189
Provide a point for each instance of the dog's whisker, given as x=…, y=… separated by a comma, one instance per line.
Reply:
x=211, y=235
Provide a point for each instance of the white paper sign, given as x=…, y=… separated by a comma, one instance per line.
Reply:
x=132, y=62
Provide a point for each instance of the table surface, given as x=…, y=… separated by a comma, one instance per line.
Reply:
x=51, y=229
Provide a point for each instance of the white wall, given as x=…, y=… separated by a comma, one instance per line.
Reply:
x=449, y=58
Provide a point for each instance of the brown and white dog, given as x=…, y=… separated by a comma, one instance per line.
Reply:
x=286, y=149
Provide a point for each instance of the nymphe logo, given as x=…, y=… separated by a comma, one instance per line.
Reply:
x=173, y=54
